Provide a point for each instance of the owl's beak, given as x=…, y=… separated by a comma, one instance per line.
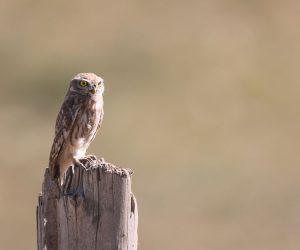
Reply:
x=93, y=90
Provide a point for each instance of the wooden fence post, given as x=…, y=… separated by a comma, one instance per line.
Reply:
x=93, y=209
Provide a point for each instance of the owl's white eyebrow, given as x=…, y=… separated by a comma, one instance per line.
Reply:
x=82, y=79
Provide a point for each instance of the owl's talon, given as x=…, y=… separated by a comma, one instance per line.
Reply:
x=91, y=157
x=78, y=162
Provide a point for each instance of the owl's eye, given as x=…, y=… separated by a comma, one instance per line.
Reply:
x=83, y=83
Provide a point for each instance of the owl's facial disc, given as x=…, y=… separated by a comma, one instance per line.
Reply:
x=87, y=84
x=96, y=88
x=100, y=86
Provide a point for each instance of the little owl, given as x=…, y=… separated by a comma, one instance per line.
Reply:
x=77, y=123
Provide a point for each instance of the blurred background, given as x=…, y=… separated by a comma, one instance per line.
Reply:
x=202, y=102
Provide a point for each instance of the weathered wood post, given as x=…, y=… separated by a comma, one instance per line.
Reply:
x=93, y=209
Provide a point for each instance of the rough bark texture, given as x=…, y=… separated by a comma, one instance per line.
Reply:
x=93, y=209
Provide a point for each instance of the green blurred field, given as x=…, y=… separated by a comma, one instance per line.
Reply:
x=202, y=102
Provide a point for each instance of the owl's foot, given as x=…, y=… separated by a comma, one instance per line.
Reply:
x=79, y=163
x=89, y=161
x=90, y=158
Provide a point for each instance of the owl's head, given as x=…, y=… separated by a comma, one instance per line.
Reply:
x=87, y=84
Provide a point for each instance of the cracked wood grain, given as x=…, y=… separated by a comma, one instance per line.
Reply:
x=94, y=209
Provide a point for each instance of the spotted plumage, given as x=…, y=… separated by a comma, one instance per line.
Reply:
x=77, y=123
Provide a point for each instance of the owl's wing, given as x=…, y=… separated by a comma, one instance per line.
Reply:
x=101, y=119
x=99, y=124
x=64, y=123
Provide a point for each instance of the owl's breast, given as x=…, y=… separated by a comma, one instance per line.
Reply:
x=86, y=124
x=90, y=120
